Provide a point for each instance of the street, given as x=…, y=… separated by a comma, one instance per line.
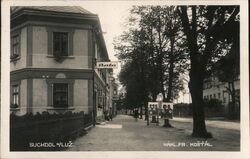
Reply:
x=126, y=134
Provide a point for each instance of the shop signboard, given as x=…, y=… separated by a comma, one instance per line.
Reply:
x=152, y=108
x=167, y=110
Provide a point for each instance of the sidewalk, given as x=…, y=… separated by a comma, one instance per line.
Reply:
x=225, y=124
x=126, y=134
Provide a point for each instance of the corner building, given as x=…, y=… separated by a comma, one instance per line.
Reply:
x=52, y=61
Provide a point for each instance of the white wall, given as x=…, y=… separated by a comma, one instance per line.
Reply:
x=40, y=50
x=81, y=96
x=220, y=89
x=40, y=101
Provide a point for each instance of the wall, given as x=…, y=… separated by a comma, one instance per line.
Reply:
x=40, y=59
x=81, y=96
x=39, y=95
x=21, y=63
x=220, y=88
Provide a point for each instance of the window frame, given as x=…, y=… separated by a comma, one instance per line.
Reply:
x=51, y=82
x=15, y=94
x=12, y=104
x=65, y=92
x=50, y=34
x=17, y=45
x=60, y=41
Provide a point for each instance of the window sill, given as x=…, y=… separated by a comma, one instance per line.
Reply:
x=64, y=57
x=15, y=59
x=62, y=108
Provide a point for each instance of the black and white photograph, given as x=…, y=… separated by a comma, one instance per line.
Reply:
x=124, y=78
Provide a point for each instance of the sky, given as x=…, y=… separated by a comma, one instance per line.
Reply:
x=112, y=16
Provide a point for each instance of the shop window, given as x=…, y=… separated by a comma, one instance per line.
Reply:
x=60, y=95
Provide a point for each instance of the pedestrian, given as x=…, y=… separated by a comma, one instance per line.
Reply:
x=136, y=114
x=110, y=114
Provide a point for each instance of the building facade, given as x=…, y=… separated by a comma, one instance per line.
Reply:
x=52, y=63
x=214, y=89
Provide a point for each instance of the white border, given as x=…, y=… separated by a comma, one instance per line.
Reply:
x=245, y=142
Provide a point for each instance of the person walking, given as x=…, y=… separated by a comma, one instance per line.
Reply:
x=110, y=114
x=136, y=113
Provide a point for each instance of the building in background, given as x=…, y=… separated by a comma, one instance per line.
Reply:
x=52, y=63
x=214, y=89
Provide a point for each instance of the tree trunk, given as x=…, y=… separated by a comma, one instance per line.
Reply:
x=171, y=71
x=233, y=100
x=146, y=111
x=196, y=90
x=231, y=106
x=141, y=112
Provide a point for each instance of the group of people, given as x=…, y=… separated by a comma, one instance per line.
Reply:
x=136, y=114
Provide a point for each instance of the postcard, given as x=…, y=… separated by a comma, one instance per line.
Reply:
x=125, y=79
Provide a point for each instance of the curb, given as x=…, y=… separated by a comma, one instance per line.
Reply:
x=88, y=128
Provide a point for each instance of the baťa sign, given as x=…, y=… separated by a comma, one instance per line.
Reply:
x=112, y=64
x=152, y=108
x=167, y=110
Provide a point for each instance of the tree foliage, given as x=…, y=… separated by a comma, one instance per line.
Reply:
x=163, y=42
x=155, y=49
x=208, y=29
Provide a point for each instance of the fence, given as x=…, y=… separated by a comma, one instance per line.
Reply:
x=46, y=132
x=185, y=110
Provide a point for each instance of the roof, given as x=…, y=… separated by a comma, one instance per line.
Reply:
x=62, y=9
x=70, y=13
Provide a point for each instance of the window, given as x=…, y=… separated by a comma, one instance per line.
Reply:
x=60, y=43
x=214, y=96
x=15, y=96
x=60, y=95
x=15, y=46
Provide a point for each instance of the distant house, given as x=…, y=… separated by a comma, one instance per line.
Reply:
x=53, y=55
x=214, y=89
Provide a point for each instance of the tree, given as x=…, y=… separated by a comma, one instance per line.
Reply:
x=227, y=70
x=176, y=56
x=205, y=27
x=132, y=75
x=155, y=47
